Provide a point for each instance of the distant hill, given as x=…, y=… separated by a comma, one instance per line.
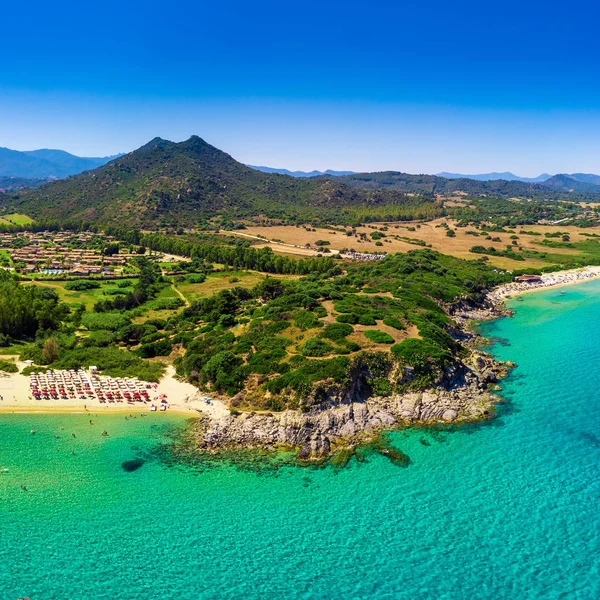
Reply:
x=12, y=184
x=586, y=178
x=568, y=183
x=506, y=176
x=562, y=182
x=165, y=183
x=36, y=164
x=300, y=173
x=433, y=184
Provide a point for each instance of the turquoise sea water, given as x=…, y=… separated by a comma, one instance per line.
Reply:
x=509, y=509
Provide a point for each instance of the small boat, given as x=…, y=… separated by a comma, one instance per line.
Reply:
x=152, y=407
x=163, y=407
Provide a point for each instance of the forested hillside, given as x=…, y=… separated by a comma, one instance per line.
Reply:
x=432, y=184
x=298, y=340
x=170, y=184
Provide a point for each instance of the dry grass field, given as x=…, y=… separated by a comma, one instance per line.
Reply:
x=399, y=236
x=217, y=282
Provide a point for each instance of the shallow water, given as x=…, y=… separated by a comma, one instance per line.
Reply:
x=508, y=509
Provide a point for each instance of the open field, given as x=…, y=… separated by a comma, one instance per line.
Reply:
x=289, y=249
x=216, y=282
x=399, y=237
x=16, y=219
x=293, y=247
x=86, y=297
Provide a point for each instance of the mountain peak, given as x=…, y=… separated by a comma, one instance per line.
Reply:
x=196, y=143
x=171, y=184
x=156, y=142
x=569, y=183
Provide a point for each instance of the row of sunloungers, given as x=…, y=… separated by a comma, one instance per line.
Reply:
x=73, y=384
x=119, y=389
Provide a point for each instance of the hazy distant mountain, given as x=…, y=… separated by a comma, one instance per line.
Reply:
x=13, y=184
x=499, y=188
x=37, y=164
x=568, y=183
x=506, y=176
x=301, y=173
x=586, y=178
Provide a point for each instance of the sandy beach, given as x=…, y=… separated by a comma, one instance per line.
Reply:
x=183, y=398
x=560, y=278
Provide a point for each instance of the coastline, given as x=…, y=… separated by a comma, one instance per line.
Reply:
x=464, y=393
x=548, y=280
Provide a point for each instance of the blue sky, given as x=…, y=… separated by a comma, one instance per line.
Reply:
x=413, y=86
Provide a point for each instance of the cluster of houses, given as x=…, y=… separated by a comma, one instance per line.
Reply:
x=77, y=254
x=352, y=255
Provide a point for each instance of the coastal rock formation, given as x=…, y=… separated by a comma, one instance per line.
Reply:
x=346, y=421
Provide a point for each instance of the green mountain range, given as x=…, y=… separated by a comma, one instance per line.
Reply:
x=555, y=188
x=167, y=184
x=177, y=184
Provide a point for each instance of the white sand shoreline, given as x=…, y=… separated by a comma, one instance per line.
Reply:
x=548, y=280
x=183, y=398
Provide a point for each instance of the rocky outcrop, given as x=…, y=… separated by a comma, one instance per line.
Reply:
x=462, y=395
x=335, y=418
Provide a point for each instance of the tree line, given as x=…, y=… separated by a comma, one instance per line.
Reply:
x=239, y=256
